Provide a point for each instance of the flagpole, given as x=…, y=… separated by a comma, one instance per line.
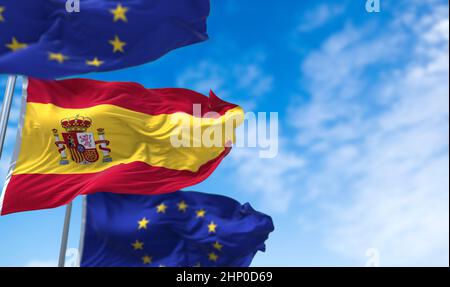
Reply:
x=65, y=236
x=6, y=108
x=83, y=229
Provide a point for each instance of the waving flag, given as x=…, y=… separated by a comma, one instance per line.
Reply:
x=40, y=38
x=83, y=136
x=177, y=229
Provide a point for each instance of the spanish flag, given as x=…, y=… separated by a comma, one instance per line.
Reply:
x=81, y=136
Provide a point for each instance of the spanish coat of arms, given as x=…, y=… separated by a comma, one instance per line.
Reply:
x=81, y=144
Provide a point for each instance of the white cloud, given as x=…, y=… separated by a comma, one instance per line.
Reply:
x=41, y=263
x=203, y=77
x=316, y=18
x=276, y=178
x=376, y=133
x=71, y=260
x=252, y=78
x=244, y=79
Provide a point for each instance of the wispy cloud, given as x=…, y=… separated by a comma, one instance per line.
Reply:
x=319, y=16
x=41, y=263
x=274, y=180
x=245, y=79
x=370, y=169
x=375, y=132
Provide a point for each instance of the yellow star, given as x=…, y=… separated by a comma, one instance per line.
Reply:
x=119, y=13
x=2, y=9
x=60, y=58
x=182, y=206
x=138, y=245
x=200, y=213
x=213, y=256
x=217, y=246
x=117, y=44
x=147, y=259
x=143, y=223
x=16, y=45
x=161, y=208
x=95, y=62
x=212, y=227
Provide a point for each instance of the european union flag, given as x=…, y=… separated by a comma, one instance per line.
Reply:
x=183, y=229
x=40, y=38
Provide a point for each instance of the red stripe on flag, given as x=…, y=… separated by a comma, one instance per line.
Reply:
x=85, y=93
x=131, y=178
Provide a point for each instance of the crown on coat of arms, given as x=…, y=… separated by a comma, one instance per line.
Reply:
x=76, y=124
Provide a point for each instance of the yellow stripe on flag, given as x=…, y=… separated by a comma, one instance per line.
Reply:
x=133, y=136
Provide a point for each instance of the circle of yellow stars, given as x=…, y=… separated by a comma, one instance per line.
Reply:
x=118, y=13
x=182, y=206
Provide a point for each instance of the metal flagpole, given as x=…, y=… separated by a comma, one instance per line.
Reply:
x=65, y=236
x=6, y=108
x=83, y=229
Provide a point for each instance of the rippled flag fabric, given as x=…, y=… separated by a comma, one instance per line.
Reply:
x=83, y=136
x=40, y=38
x=181, y=229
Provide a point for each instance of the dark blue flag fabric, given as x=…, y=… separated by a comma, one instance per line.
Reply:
x=184, y=229
x=40, y=38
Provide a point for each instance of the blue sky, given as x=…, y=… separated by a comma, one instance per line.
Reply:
x=363, y=162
